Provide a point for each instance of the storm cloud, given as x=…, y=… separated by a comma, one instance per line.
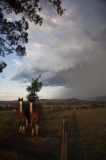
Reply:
x=69, y=51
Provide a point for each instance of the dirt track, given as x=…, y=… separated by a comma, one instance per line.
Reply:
x=37, y=155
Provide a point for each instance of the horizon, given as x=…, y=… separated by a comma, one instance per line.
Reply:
x=101, y=98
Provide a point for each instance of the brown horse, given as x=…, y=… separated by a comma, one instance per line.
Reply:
x=29, y=114
x=34, y=118
x=22, y=116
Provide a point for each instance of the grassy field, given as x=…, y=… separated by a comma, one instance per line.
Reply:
x=87, y=136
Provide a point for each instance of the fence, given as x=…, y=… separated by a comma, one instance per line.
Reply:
x=64, y=138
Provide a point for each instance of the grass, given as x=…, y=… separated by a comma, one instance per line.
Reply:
x=88, y=139
x=87, y=133
x=11, y=155
x=8, y=124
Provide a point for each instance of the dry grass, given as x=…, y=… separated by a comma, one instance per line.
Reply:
x=8, y=124
x=87, y=132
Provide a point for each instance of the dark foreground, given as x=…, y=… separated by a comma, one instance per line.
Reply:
x=87, y=136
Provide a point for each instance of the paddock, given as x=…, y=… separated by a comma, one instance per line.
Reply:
x=87, y=135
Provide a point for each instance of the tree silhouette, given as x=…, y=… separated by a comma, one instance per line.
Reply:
x=2, y=66
x=35, y=87
x=13, y=34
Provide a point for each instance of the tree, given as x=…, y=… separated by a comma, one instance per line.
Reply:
x=13, y=34
x=2, y=66
x=35, y=87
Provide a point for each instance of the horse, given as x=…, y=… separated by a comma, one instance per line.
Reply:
x=35, y=112
x=24, y=115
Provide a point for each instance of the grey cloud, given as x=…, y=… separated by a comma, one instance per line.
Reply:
x=74, y=52
x=85, y=80
x=25, y=76
x=2, y=76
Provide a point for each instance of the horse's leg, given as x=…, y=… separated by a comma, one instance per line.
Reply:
x=33, y=132
x=23, y=129
x=36, y=129
x=23, y=124
x=33, y=128
x=20, y=127
x=26, y=122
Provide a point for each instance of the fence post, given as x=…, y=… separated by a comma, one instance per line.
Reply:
x=64, y=138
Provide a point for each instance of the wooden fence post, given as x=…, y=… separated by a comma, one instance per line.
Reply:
x=64, y=138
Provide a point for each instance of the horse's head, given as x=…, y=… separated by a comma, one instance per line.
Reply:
x=20, y=102
x=20, y=99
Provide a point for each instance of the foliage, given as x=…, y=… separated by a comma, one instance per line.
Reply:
x=35, y=87
x=2, y=66
x=13, y=34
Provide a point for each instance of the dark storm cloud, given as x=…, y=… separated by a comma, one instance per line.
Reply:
x=26, y=75
x=71, y=50
x=88, y=79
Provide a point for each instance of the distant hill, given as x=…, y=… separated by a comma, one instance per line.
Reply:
x=100, y=99
x=8, y=102
x=58, y=101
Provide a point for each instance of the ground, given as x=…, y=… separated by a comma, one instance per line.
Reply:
x=87, y=136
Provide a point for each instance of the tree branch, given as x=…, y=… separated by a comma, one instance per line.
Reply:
x=2, y=4
x=8, y=43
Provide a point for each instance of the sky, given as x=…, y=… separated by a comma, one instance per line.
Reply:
x=68, y=51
